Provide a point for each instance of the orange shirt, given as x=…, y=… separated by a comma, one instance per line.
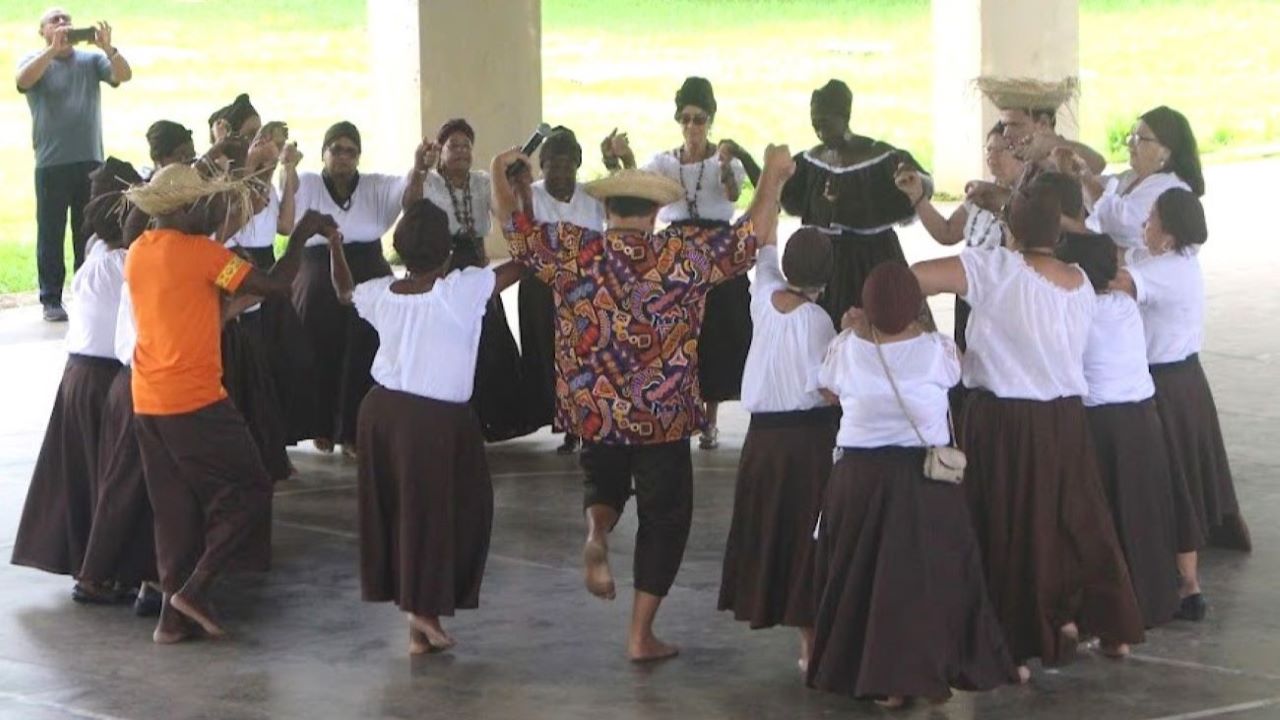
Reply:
x=176, y=282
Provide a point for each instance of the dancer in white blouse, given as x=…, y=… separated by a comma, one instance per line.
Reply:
x=1128, y=436
x=786, y=458
x=58, y=514
x=1053, y=561
x=712, y=180
x=1166, y=280
x=365, y=206
x=426, y=501
x=1162, y=155
x=901, y=607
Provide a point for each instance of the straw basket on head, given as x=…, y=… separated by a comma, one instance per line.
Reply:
x=177, y=186
x=1028, y=93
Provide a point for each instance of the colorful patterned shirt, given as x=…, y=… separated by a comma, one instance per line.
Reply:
x=629, y=308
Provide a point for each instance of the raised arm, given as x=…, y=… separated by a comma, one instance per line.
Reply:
x=425, y=157
x=778, y=167
x=279, y=279
x=749, y=164
x=30, y=73
x=120, y=70
x=288, y=179
x=947, y=231
x=944, y=275
x=344, y=285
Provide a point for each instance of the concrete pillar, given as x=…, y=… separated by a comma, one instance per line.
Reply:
x=439, y=59
x=1011, y=38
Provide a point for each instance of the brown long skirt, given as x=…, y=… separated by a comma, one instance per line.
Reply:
x=122, y=546
x=767, y=578
x=250, y=384
x=1048, y=543
x=426, y=503
x=1208, y=508
x=343, y=344
x=1134, y=468
x=209, y=492
x=56, y=519
x=902, y=605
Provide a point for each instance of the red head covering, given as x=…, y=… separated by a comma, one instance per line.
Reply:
x=891, y=297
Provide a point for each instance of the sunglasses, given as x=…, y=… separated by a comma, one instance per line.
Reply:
x=57, y=19
x=697, y=119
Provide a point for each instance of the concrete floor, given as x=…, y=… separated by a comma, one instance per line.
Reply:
x=305, y=647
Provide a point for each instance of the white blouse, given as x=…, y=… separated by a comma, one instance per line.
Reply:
x=375, y=205
x=1115, y=358
x=924, y=368
x=712, y=201
x=126, y=332
x=786, y=348
x=581, y=210
x=260, y=231
x=94, y=302
x=982, y=228
x=1170, y=292
x=436, y=189
x=428, y=342
x=1122, y=216
x=1026, y=336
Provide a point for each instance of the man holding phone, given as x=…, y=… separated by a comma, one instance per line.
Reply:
x=62, y=88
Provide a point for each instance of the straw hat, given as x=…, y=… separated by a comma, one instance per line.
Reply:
x=636, y=183
x=176, y=186
x=1028, y=93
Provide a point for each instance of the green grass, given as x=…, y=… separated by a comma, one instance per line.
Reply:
x=610, y=63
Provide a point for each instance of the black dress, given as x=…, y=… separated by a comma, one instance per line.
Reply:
x=858, y=204
x=500, y=392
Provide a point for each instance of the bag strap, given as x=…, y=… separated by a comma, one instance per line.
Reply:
x=875, y=337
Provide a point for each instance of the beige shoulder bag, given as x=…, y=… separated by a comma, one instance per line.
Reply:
x=941, y=463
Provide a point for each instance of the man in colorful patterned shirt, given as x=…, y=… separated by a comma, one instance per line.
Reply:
x=629, y=306
x=203, y=472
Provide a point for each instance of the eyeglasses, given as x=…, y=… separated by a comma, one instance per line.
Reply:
x=695, y=119
x=343, y=150
x=1135, y=139
x=57, y=19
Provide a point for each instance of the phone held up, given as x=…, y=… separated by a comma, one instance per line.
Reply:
x=82, y=35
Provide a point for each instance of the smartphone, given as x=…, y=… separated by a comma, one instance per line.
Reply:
x=82, y=35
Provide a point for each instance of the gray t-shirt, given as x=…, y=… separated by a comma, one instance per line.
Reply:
x=66, y=108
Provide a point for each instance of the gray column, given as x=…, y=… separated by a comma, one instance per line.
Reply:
x=439, y=59
x=1011, y=38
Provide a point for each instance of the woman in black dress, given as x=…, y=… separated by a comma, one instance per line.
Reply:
x=845, y=186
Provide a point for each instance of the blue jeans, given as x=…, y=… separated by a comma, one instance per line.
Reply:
x=59, y=189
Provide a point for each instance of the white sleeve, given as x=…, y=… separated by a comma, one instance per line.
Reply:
x=1153, y=279
x=481, y=201
x=831, y=375
x=981, y=272
x=739, y=172
x=768, y=273
x=949, y=361
x=658, y=164
x=126, y=333
x=366, y=296
x=304, y=198
x=1122, y=216
x=390, y=189
x=821, y=337
x=473, y=290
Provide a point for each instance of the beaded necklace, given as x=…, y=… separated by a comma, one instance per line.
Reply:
x=465, y=215
x=691, y=200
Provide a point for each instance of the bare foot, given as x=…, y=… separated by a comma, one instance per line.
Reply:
x=324, y=445
x=650, y=649
x=172, y=626
x=1024, y=674
x=893, y=702
x=429, y=631
x=418, y=643
x=803, y=665
x=595, y=559
x=1115, y=651
x=199, y=612
x=1068, y=643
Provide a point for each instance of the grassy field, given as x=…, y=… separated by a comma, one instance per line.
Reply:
x=614, y=63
